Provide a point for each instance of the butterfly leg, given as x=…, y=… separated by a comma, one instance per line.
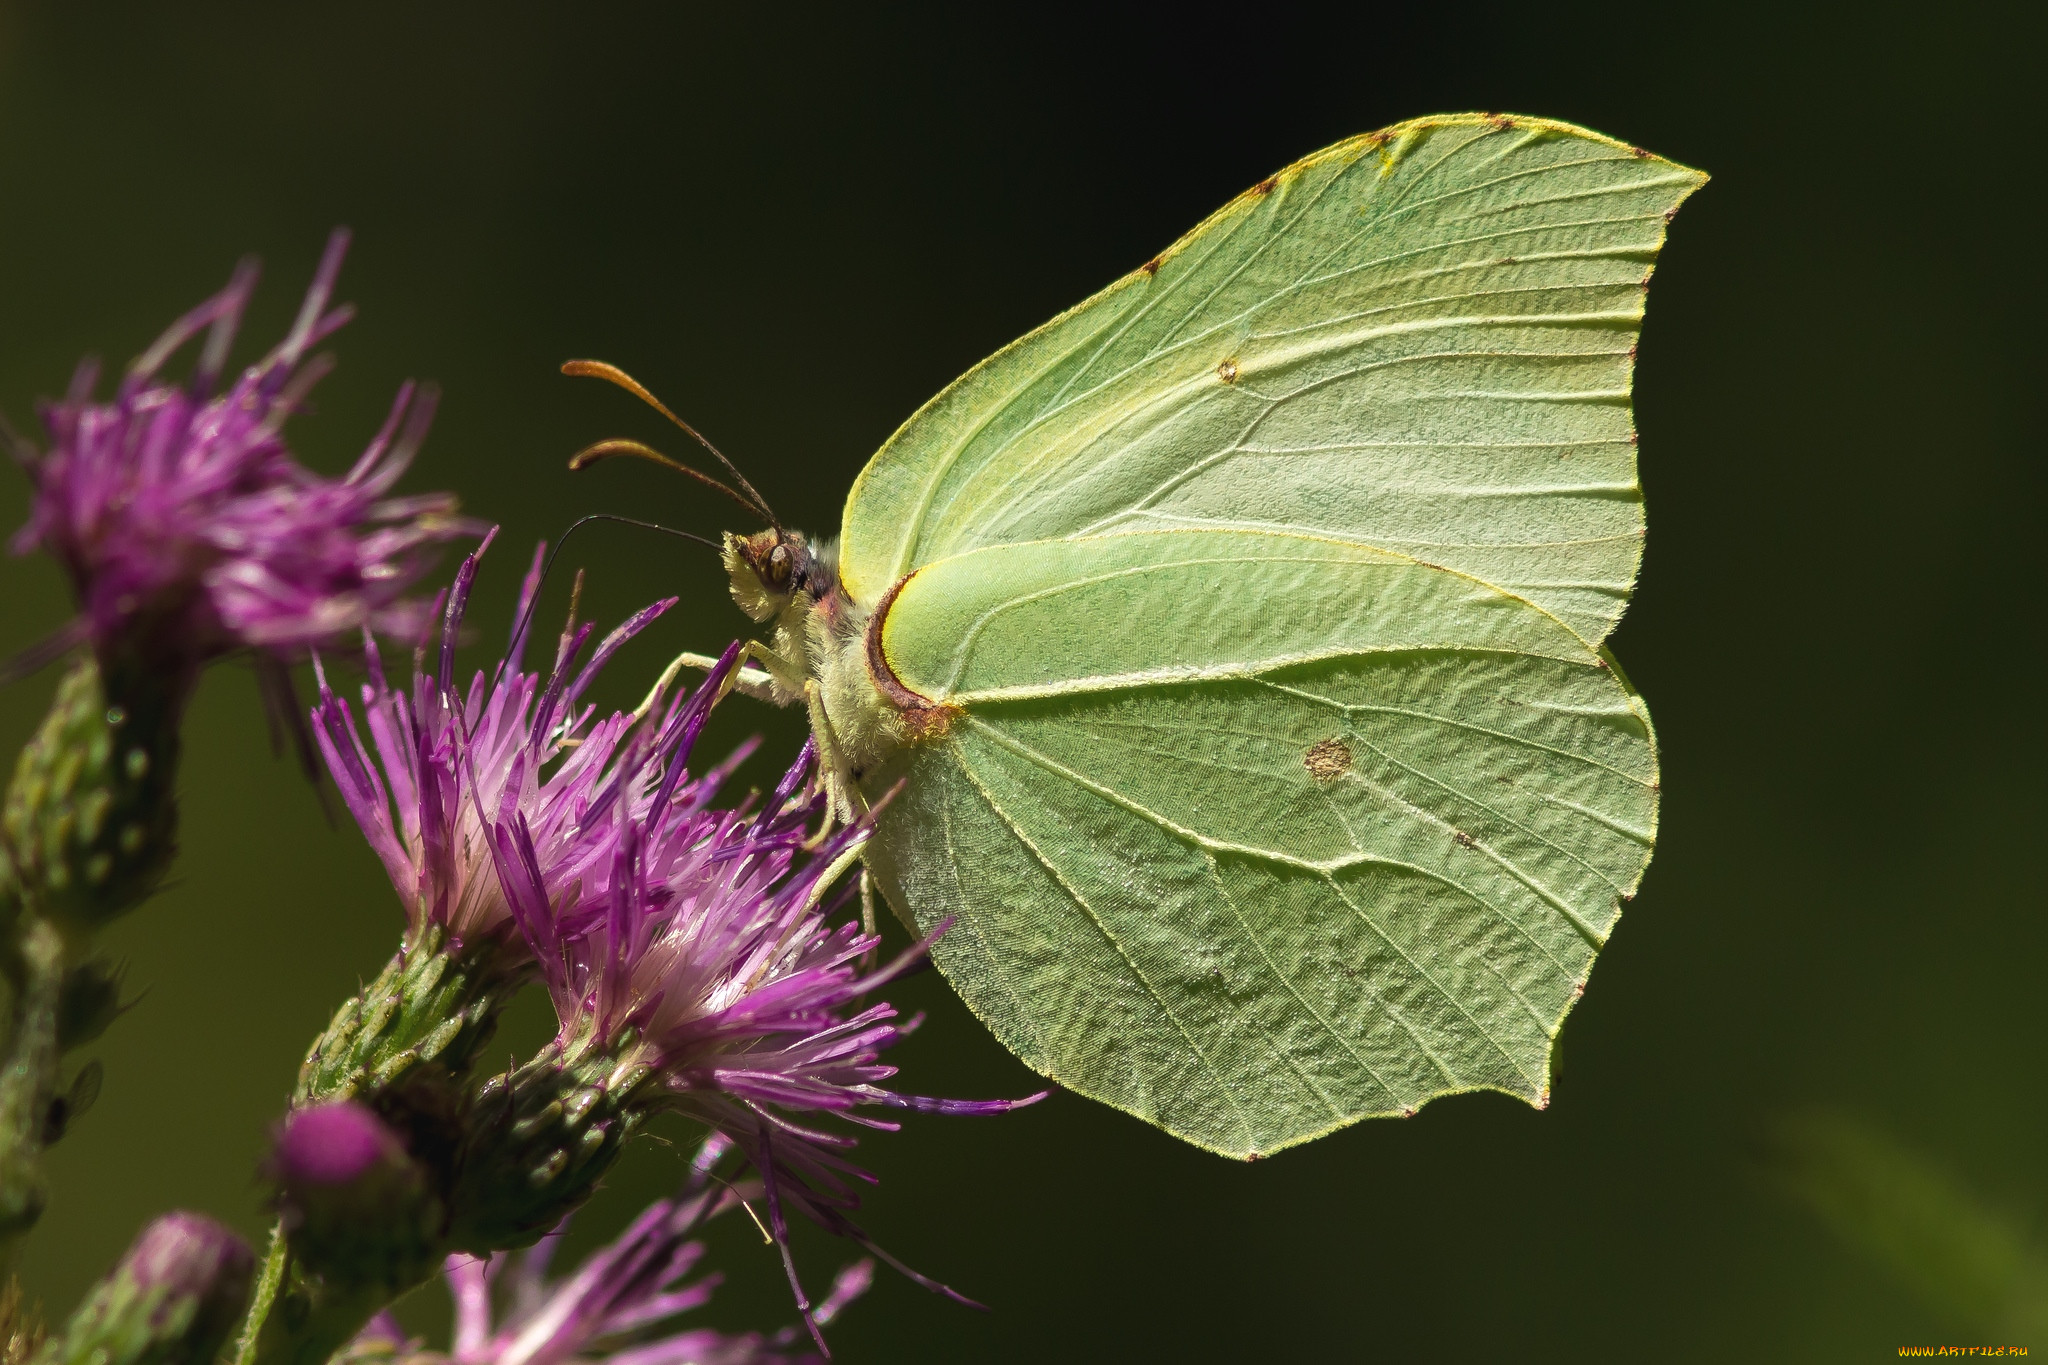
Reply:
x=753, y=682
x=848, y=804
x=868, y=925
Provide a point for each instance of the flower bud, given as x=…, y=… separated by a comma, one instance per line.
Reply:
x=358, y=1210
x=90, y=820
x=537, y=1142
x=173, y=1299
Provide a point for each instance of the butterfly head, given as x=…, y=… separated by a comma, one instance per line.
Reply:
x=772, y=570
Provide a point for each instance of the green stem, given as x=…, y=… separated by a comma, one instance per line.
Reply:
x=297, y=1319
x=30, y=1075
x=268, y=1280
x=87, y=829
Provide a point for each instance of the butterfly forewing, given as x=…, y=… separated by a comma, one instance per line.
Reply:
x=1421, y=340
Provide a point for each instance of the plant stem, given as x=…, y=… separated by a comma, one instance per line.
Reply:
x=296, y=1319
x=30, y=1074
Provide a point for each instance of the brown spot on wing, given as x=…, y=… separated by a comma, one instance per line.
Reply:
x=1327, y=759
x=1267, y=186
x=923, y=717
x=1227, y=372
x=1151, y=267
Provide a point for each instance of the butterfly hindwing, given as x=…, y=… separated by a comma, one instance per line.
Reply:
x=1254, y=875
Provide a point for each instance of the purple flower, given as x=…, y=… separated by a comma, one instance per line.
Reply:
x=615, y=1306
x=332, y=1144
x=354, y=1205
x=693, y=958
x=174, y=1297
x=188, y=528
x=189, y=1256
x=708, y=965
x=454, y=764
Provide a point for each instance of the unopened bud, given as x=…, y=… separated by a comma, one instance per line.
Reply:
x=90, y=820
x=358, y=1209
x=537, y=1142
x=173, y=1299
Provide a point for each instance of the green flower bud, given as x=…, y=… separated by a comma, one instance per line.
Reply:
x=90, y=820
x=536, y=1143
x=173, y=1299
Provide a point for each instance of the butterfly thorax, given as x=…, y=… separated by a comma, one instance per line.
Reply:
x=821, y=635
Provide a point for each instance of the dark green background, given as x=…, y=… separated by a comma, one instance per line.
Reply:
x=797, y=224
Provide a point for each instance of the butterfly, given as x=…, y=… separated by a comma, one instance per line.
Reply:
x=1232, y=644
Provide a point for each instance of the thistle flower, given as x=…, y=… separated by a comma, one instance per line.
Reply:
x=452, y=761
x=707, y=975
x=615, y=1307
x=190, y=531
x=440, y=764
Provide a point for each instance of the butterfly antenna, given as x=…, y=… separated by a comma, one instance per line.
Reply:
x=547, y=566
x=604, y=450
x=598, y=369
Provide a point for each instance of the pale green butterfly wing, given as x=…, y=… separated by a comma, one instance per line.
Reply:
x=1254, y=874
x=1421, y=339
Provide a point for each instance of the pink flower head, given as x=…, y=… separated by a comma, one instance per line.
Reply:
x=450, y=765
x=712, y=961
x=188, y=528
x=611, y=1309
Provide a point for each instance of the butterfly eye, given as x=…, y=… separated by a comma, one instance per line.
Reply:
x=778, y=560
